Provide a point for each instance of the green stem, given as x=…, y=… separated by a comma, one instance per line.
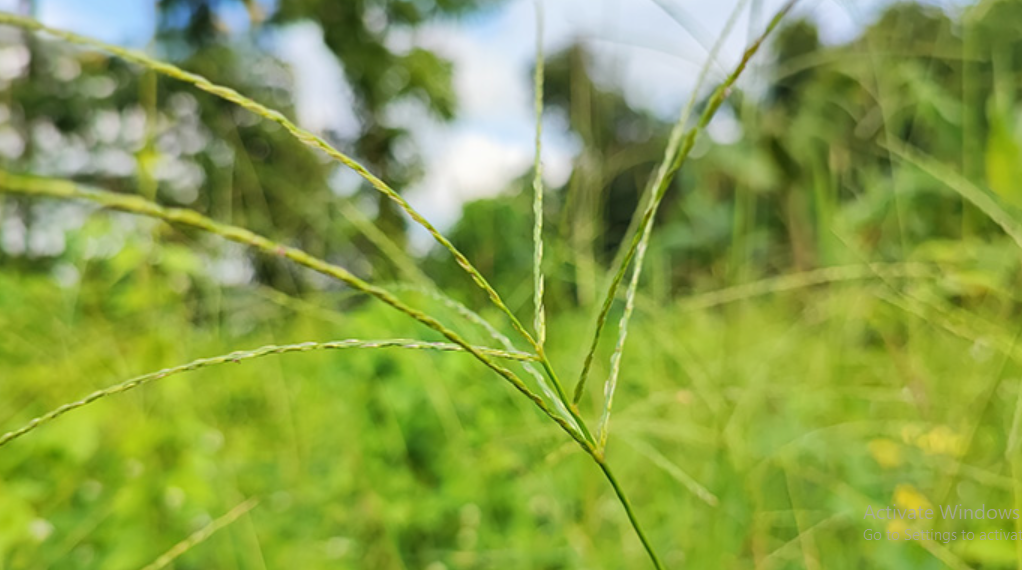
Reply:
x=238, y=356
x=572, y=409
x=628, y=509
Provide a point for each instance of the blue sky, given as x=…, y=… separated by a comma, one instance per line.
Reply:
x=120, y=21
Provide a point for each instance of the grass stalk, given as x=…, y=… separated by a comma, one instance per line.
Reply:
x=202, y=534
x=623, y=499
x=62, y=189
x=237, y=357
x=673, y=162
x=610, y=385
x=537, y=188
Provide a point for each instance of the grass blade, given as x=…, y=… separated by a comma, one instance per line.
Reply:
x=674, y=471
x=64, y=189
x=240, y=355
x=678, y=150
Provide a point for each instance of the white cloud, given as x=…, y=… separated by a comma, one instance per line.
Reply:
x=471, y=165
x=323, y=99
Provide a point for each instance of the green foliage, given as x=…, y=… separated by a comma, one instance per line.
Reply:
x=389, y=461
x=851, y=339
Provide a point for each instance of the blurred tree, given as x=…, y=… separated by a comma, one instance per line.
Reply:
x=829, y=109
x=807, y=183
x=101, y=121
x=804, y=176
x=620, y=149
x=380, y=75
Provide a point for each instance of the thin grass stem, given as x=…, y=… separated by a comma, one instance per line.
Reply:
x=392, y=251
x=202, y=534
x=806, y=279
x=623, y=499
x=674, y=471
x=537, y=189
x=238, y=356
x=965, y=188
x=610, y=386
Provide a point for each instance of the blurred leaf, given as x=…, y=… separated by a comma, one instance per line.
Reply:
x=1004, y=157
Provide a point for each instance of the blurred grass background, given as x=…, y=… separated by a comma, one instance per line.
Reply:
x=822, y=327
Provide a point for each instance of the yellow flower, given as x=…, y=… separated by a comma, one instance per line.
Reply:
x=942, y=440
x=908, y=497
x=885, y=452
x=938, y=440
x=899, y=526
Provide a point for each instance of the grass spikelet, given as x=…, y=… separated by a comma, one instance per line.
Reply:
x=671, y=164
x=633, y=286
x=238, y=356
x=537, y=188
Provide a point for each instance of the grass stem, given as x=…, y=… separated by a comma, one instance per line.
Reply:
x=623, y=499
x=537, y=190
x=238, y=356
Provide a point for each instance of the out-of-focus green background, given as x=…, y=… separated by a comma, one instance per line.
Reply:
x=822, y=326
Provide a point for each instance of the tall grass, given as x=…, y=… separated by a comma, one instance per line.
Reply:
x=553, y=402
